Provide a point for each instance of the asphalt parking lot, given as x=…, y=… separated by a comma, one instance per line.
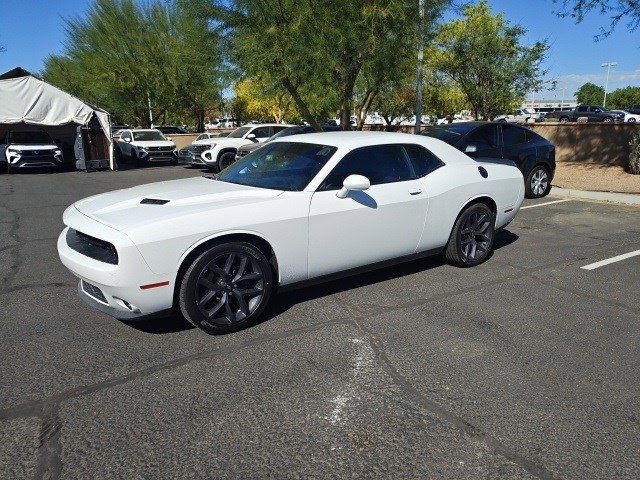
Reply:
x=525, y=367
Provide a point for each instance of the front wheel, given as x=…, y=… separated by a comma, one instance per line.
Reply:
x=564, y=119
x=226, y=288
x=225, y=160
x=608, y=120
x=471, y=239
x=632, y=120
x=537, y=183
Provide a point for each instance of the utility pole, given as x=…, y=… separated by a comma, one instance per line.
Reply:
x=564, y=89
x=606, y=85
x=150, y=112
x=420, y=67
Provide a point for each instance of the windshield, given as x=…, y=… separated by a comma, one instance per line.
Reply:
x=29, y=138
x=149, y=135
x=450, y=133
x=239, y=132
x=279, y=166
x=286, y=132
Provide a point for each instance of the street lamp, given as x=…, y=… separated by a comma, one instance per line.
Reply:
x=606, y=85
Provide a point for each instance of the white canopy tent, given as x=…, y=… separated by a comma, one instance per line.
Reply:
x=26, y=99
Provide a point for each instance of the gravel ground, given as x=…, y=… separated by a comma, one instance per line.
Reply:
x=598, y=178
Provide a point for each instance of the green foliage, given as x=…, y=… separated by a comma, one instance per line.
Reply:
x=124, y=53
x=623, y=97
x=590, y=94
x=618, y=10
x=484, y=55
x=327, y=54
x=633, y=165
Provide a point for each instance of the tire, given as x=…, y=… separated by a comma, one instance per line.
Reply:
x=537, y=183
x=225, y=160
x=607, y=120
x=632, y=120
x=564, y=119
x=212, y=288
x=471, y=240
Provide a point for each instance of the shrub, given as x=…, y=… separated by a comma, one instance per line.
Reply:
x=633, y=166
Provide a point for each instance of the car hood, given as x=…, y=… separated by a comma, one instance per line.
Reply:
x=231, y=142
x=32, y=147
x=122, y=210
x=252, y=146
x=153, y=143
x=208, y=141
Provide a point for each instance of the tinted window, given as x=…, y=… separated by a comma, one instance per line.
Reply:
x=279, y=166
x=29, y=137
x=513, y=136
x=149, y=135
x=239, y=132
x=450, y=133
x=484, y=138
x=279, y=129
x=204, y=136
x=582, y=108
x=423, y=161
x=380, y=164
x=261, y=132
x=126, y=136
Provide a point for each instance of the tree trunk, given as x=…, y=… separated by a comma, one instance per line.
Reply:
x=302, y=106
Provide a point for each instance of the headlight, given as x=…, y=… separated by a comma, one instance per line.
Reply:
x=14, y=150
x=58, y=153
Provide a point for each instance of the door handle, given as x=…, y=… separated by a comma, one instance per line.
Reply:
x=417, y=191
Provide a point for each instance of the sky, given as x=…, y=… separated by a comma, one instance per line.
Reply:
x=33, y=29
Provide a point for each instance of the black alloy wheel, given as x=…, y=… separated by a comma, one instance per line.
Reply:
x=226, y=288
x=471, y=240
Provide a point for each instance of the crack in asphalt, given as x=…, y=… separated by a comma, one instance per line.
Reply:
x=460, y=423
x=34, y=407
x=49, y=449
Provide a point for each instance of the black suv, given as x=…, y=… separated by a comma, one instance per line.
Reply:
x=534, y=155
x=635, y=109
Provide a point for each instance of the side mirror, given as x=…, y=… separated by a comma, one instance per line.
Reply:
x=353, y=182
x=251, y=136
x=471, y=148
x=170, y=139
x=125, y=139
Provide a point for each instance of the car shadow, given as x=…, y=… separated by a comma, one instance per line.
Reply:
x=285, y=300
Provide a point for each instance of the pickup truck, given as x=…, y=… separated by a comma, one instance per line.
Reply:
x=592, y=113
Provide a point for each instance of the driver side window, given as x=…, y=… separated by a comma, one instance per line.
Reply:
x=380, y=164
x=484, y=138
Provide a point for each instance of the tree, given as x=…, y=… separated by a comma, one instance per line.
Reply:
x=319, y=51
x=125, y=54
x=264, y=102
x=484, y=55
x=590, y=94
x=617, y=10
x=624, y=97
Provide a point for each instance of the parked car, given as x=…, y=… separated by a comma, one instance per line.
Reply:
x=295, y=130
x=222, y=152
x=628, y=117
x=191, y=153
x=172, y=130
x=534, y=155
x=523, y=115
x=634, y=109
x=22, y=150
x=142, y=146
x=298, y=209
x=593, y=113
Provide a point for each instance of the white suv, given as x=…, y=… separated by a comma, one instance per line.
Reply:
x=145, y=145
x=222, y=151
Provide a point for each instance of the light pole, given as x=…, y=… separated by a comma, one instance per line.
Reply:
x=416, y=129
x=606, y=85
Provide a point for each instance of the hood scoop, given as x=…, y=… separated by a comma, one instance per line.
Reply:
x=153, y=201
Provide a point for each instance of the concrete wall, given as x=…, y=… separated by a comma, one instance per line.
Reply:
x=182, y=140
x=589, y=143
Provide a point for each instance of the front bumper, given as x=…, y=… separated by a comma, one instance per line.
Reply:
x=36, y=161
x=114, y=289
x=159, y=156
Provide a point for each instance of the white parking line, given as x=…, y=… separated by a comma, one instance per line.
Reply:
x=602, y=263
x=545, y=203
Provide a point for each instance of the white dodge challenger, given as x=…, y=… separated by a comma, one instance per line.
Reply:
x=300, y=208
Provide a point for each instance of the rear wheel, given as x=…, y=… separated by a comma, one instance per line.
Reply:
x=632, y=120
x=471, y=239
x=608, y=120
x=225, y=160
x=564, y=119
x=226, y=288
x=537, y=183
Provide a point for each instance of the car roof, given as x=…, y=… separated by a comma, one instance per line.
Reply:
x=267, y=125
x=350, y=140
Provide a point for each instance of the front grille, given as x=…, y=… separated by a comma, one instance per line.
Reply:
x=94, y=292
x=92, y=247
x=160, y=149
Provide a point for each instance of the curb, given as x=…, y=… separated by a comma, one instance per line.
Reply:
x=626, y=198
